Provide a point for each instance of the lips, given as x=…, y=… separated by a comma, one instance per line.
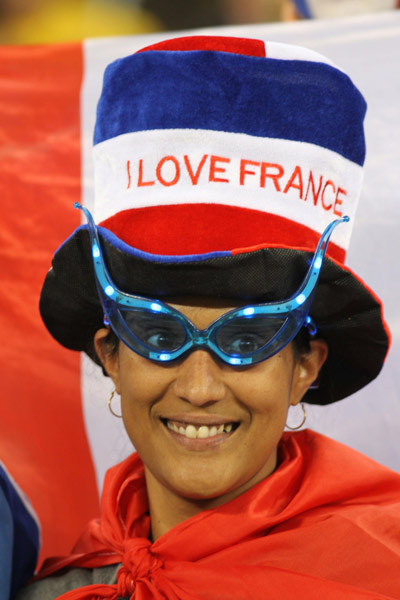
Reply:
x=200, y=430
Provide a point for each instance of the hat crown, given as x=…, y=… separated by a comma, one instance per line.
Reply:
x=200, y=128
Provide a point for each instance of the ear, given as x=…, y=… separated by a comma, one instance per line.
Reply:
x=307, y=368
x=109, y=359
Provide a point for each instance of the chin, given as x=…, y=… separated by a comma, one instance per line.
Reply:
x=203, y=488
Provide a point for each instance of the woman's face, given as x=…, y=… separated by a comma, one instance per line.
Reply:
x=205, y=429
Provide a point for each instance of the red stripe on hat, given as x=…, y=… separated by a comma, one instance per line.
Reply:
x=42, y=434
x=217, y=43
x=202, y=228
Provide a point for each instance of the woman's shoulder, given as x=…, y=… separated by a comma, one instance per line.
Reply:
x=52, y=587
x=347, y=475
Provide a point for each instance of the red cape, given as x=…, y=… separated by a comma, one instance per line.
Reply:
x=325, y=524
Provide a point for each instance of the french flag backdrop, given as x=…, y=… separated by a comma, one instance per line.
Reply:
x=57, y=436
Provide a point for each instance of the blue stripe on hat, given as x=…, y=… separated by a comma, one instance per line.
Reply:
x=289, y=99
x=165, y=258
x=115, y=241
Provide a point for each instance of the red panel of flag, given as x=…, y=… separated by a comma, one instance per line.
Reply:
x=42, y=437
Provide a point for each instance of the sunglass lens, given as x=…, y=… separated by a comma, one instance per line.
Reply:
x=158, y=332
x=246, y=335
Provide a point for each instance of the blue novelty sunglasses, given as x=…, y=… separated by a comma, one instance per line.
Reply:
x=242, y=336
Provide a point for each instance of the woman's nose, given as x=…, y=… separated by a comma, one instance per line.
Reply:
x=199, y=379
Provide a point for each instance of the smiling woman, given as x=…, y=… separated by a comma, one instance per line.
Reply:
x=215, y=300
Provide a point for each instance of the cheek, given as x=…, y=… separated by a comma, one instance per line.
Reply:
x=268, y=386
x=138, y=389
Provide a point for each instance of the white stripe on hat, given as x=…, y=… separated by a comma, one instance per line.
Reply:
x=298, y=181
x=292, y=52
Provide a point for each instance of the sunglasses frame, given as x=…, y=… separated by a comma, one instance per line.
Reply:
x=294, y=310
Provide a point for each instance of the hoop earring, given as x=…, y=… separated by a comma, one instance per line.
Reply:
x=303, y=421
x=110, y=407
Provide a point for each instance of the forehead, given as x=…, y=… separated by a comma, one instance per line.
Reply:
x=204, y=302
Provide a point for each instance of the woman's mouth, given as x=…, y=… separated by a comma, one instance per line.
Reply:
x=200, y=431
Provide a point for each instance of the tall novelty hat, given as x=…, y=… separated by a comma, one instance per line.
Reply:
x=219, y=162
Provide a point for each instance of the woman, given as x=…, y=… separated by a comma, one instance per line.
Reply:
x=214, y=300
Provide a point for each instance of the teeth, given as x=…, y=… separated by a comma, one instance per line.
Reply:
x=202, y=432
x=191, y=432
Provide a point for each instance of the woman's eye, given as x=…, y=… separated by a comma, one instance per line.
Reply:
x=247, y=335
x=161, y=340
x=245, y=343
x=157, y=332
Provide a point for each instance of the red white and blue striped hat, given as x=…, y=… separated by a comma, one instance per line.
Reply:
x=218, y=163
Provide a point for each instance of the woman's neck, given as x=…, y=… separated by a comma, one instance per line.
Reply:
x=166, y=508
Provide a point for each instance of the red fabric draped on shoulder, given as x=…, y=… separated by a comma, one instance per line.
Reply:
x=325, y=524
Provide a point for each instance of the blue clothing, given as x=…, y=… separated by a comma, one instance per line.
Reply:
x=19, y=538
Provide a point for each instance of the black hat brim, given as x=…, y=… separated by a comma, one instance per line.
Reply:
x=348, y=316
